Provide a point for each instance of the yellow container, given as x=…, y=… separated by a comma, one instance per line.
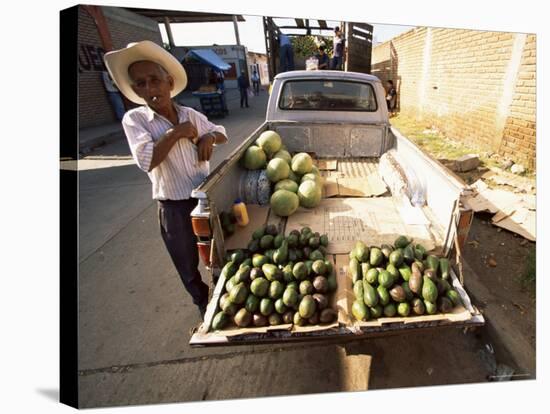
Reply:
x=240, y=212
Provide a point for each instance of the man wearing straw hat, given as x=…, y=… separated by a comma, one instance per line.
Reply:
x=171, y=143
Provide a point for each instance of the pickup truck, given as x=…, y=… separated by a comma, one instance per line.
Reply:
x=339, y=116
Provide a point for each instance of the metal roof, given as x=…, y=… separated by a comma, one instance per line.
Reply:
x=209, y=57
x=184, y=16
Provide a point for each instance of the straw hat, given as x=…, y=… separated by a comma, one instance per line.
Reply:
x=118, y=61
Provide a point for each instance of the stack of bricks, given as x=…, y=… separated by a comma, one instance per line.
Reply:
x=477, y=87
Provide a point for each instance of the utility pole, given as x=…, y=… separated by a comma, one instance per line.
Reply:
x=236, y=30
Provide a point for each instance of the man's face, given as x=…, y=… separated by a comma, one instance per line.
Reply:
x=151, y=83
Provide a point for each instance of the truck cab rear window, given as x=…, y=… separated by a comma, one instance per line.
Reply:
x=328, y=95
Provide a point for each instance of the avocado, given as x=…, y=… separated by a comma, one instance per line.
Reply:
x=266, y=306
x=278, y=241
x=259, y=320
x=442, y=287
x=298, y=320
x=269, y=254
x=252, y=303
x=266, y=242
x=281, y=254
x=376, y=256
x=444, y=304
x=293, y=285
x=409, y=295
x=309, y=266
x=327, y=315
x=386, y=250
x=392, y=270
x=292, y=256
x=306, y=287
x=220, y=321
x=385, y=279
x=237, y=256
x=396, y=257
x=292, y=240
x=229, y=284
x=242, y=318
x=431, y=308
x=319, y=267
x=384, y=296
x=324, y=240
x=259, y=287
x=271, y=229
x=320, y=284
x=401, y=242
x=243, y=274
x=314, y=242
x=415, y=281
x=358, y=289
x=288, y=276
x=360, y=311
x=444, y=267
x=246, y=262
x=274, y=319
x=362, y=252
x=316, y=255
x=454, y=297
x=230, y=308
x=229, y=270
x=305, y=230
x=419, y=265
x=355, y=270
x=433, y=262
x=372, y=276
x=376, y=311
x=429, y=290
x=254, y=246
x=223, y=299
x=238, y=293
x=403, y=309
x=321, y=301
x=430, y=273
x=258, y=260
x=288, y=316
x=390, y=310
x=255, y=273
x=370, y=297
x=329, y=267
x=300, y=271
x=419, y=252
x=290, y=297
x=405, y=272
x=280, y=307
x=276, y=290
x=398, y=294
x=295, y=233
x=418, y=307
x=269, y=270
x=307, y=307
x=408, y=254
x=258, y=233
x=314, y=319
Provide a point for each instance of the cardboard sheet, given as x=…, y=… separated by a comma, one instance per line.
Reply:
x=324, y=165
x=375, y=221
x=257, y=217
x=369, y=186
x=521, y=221
x=330, y=187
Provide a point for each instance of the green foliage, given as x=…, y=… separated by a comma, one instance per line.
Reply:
x=305, y=46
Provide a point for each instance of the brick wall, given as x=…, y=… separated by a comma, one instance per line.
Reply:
x=477, y=87
x=94, y=107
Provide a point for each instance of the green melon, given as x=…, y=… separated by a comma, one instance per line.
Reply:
x=277, y=170
x=311, y=177
x=287, y=184
x=270, y=142
x=284, y=155
x=254, y=158
x=301, y=163
x=309, y=194
x=284, y=203
x=293, y=176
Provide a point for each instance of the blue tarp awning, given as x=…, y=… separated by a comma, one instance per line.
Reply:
x=209, y=57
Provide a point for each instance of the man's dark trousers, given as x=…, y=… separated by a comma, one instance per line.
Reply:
x=178, y=236
x=244, y=97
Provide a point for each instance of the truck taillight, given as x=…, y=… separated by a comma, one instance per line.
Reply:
x=201, y=226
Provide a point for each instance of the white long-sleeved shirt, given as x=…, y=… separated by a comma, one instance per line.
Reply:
x=180, y=172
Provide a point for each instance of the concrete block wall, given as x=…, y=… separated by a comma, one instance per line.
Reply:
x=125, y=27
x=475, y=86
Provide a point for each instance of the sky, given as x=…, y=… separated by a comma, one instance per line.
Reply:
x=251, y=32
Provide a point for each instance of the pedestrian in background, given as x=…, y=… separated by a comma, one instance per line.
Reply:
x=322, y=58
x=114, y=95
x=391, y=97
x=338, y=49
x=286, y=53
x=256, y=82
x=172, y=144
x=244, y=84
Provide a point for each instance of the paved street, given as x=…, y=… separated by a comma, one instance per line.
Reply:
x=135, y=315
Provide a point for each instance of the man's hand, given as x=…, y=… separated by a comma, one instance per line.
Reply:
x=184, y=130
x=205, y=146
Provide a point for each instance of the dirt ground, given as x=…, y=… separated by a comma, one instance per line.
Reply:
x=504, y=280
